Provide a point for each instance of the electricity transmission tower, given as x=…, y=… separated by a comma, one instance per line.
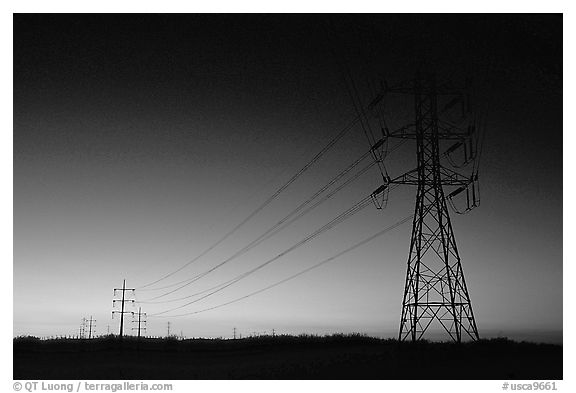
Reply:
x=122, y=301
x=140, y=322
x=82, y=329
x=435, y=290
x=91, y=324
x=168, y=326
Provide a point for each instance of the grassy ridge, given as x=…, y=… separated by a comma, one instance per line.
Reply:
x=282, y=357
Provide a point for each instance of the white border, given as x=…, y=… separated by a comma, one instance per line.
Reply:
x=357, y=6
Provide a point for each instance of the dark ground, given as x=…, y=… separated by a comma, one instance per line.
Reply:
x=283, y=357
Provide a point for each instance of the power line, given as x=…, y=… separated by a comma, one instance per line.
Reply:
x=340, y=218
x=323, y=262
x=305, y=153
x=393, y=186
x=352, y=91
x=265, y=203
x=480, y=143
x=358, y=107
x=268, y=234
x=264, y=236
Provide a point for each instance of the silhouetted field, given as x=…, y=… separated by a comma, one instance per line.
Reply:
x=283, y=357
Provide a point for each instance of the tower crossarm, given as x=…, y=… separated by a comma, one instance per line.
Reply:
x=446, y=133
x=449, y=177
x=410, y=178
x=121, y=312
x=453, y=178
x=123, y=301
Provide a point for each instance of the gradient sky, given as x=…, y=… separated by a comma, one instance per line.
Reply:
x=139, y=140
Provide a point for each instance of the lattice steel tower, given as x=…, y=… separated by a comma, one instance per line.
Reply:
x=435, y=291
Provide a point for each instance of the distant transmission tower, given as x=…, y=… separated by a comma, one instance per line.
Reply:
x=91, y=326
x=82, y=328
x=122, y=301
x=435, y=290
x=139, y=320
